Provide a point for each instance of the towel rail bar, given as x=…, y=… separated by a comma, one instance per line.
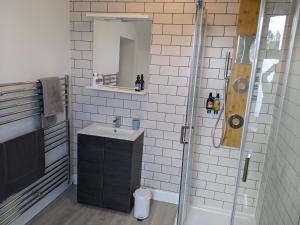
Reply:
x=34, y=107
x=49, y=134
x=26, y=197
x=25, y=97
x=17, y=90
x=55, y=135
x=19, y=97
x=55, y=125
x=63, y=157
x=20, y=111
x=25, y=83
x=37, y=200
x=18, y=104
x=53, y=131
x=20, y=118
x=55, y=146
x=49, y=169
x=39, y=196
x=25, y=101
x=24, y=89
x=21, y=104
x=51, y=188
x=54, y=141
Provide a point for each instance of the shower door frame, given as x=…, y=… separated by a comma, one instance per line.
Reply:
x=194, y=81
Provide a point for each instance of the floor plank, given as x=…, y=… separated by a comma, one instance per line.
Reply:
x=66, y=211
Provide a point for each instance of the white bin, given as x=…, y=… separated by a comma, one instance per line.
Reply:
x=142, y=198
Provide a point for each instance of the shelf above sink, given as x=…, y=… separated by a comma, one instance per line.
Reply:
x=117, y=89
x=121, y=16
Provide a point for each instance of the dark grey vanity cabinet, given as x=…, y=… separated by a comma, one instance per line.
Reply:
x=109, y=171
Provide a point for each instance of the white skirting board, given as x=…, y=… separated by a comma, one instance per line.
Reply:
x=38, y=207
x=157, y=195
x=165, y=196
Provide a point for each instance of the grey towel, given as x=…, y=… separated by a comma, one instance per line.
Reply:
x=52, y=100
x=52, y=96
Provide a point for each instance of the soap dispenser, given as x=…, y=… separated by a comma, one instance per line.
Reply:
x=100, y=80
x=95, y=79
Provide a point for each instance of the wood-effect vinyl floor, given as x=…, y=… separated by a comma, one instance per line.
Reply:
x=66, y=211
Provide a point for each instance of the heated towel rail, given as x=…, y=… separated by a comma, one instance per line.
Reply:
x=24, y=101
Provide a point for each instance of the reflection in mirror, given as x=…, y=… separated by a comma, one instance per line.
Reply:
x=122, y=50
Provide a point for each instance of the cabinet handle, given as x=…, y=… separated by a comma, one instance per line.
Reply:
x=246, y=167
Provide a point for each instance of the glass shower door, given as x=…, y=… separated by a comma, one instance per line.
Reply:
x=187, y=129
x=265, y=105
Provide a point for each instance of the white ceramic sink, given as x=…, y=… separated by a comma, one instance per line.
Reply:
x=109, y=131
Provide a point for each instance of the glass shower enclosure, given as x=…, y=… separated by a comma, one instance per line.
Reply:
x=266, y=173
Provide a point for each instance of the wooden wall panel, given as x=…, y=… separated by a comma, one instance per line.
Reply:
x=236, y=102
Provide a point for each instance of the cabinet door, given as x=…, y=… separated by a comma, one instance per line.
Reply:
x=117, y=174
x=90, y=169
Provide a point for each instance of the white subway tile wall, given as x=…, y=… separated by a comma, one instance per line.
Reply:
x=162, y=111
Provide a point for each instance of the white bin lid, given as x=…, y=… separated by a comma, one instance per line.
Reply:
x=142, y=194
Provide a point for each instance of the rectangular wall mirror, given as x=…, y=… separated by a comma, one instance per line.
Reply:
x=121, y=48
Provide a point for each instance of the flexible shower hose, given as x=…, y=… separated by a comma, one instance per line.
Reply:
x=224, y=124
x=213, y=133
x=223, y=108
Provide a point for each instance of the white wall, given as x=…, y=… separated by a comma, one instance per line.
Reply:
x=34, y=43
x=34, y=39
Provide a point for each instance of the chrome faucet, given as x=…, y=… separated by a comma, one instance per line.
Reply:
x=117, y=121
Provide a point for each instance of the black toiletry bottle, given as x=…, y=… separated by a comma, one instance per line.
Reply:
x=142, y=82
x=138, y=83
x=210, y=103
x=217, y=104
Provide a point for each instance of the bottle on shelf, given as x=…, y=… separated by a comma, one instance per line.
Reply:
x=142, y=82
x=137, y=83
x=100, y=79
x=217, y=104
x=209, y=103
